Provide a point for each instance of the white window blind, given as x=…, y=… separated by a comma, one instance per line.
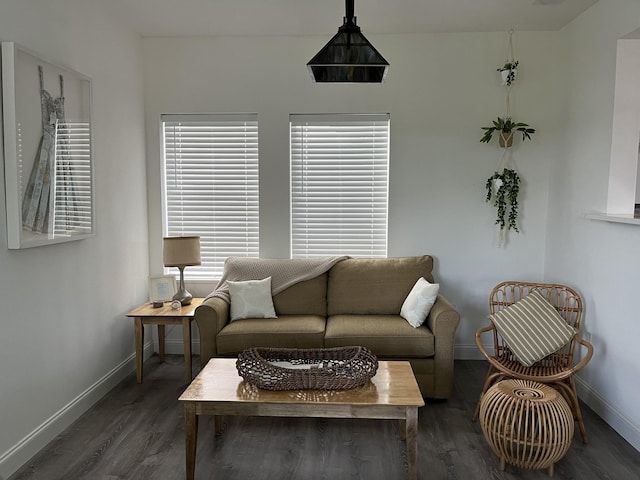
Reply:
x=339, y=185
x=72, y=179
x=211, y=186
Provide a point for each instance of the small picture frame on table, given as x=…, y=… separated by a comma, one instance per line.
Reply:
x=162, y=289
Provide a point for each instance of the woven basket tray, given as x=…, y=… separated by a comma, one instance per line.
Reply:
x=314, y=368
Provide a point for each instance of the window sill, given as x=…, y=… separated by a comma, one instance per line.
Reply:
x=607, y=217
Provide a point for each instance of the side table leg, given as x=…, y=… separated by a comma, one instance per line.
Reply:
x=217, y=424
x=412, y=442
x=139, y=337
x=161, y=342
x=190, y=438
x=186, y=338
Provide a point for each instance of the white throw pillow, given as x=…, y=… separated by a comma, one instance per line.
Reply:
x=251, y=299
x=418, y=303
x=532, y=328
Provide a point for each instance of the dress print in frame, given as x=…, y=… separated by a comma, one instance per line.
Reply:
x=48, y=153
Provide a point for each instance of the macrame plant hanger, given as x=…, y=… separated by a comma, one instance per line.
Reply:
x=506, y=161
x=505, y=144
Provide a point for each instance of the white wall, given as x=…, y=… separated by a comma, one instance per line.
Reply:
x=64, y=339
x=600, y=259
x=440, y=90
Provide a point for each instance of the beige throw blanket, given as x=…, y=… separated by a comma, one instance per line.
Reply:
x=284, y=272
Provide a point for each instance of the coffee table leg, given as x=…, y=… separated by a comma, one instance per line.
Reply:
x=412, y=442
x=190, y=438
x=139, y=334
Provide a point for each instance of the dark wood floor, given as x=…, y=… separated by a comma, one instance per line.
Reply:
x=136, y=432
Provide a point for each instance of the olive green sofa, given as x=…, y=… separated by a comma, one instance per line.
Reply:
x=356, y=302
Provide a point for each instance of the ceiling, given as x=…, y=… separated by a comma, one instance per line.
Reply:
x=323, y=17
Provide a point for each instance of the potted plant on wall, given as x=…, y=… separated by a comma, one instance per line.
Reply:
x=509, y=71
x=503, y=188
x=506, y=127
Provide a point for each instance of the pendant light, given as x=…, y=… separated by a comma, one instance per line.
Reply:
x=348, y=57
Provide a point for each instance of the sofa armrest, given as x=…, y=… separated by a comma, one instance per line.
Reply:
x=211, y=316
x=443, y=321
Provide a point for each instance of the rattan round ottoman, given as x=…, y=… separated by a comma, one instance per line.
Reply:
x=527, y=424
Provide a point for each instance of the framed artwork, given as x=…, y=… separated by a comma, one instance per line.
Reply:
x=162, y=288
x=48, y=156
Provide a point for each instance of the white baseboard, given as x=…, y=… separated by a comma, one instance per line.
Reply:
x=175, y=346
x=609, y=413
x=18, y=455
x=467, y=352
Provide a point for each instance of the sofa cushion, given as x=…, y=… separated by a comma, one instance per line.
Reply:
x=374, y=285
x=385, y=335
x=286, y=331
x=304, y=298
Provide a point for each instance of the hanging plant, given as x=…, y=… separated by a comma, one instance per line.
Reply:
x=506, y=128
x=509, y=71
x=503, y=188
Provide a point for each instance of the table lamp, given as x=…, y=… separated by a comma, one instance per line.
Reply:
x=181, y=252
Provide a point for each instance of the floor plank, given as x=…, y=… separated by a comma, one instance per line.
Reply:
x=137, y=432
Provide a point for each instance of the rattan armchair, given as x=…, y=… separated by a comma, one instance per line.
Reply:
x=557, y=369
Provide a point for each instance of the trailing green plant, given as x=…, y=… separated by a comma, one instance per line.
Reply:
x=506, y=126
x=511, y=68
x=503, y=188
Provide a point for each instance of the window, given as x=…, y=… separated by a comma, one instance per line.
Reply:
x=339, y=184
x=210, y=186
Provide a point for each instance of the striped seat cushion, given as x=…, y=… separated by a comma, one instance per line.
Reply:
x=532, y=328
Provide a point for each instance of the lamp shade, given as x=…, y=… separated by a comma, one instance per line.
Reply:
x=181, y=251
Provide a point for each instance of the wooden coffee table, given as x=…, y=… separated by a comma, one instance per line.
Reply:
x=218, y=390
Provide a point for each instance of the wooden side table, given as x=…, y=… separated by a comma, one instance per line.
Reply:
x=165, y=315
